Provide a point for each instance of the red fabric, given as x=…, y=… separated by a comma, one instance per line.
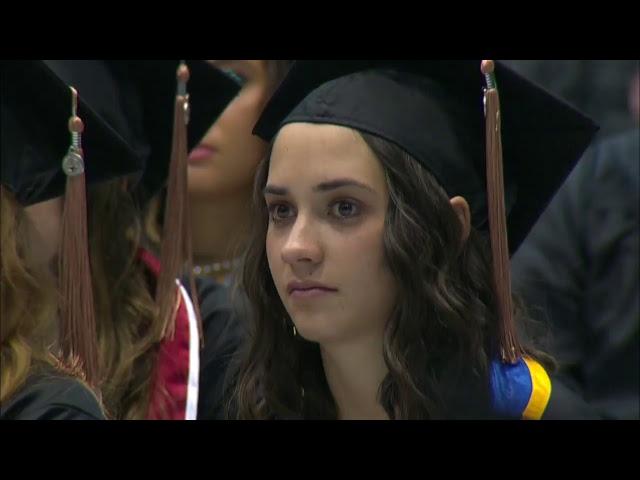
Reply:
x=172, y=365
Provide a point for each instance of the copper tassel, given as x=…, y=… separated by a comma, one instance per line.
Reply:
x=511, y=350
x=175, y=250
x=77, y=317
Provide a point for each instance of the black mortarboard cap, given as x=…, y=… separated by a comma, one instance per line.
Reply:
x=434, y=111
x=153, y=84
x=36, y=106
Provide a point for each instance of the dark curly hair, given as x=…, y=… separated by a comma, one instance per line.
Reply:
x=438, y=342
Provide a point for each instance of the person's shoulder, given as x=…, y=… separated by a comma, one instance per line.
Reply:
x=565, y=403
x=528, y=391
x=616, y=177
x=619, y=152
x=608, y=169
x=53, y=396
x=625, y=141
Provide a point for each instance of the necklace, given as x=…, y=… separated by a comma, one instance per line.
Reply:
x=223, y=267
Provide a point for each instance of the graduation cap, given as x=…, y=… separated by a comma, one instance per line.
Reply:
x=435, y=111
x=152, y=88
x=36, y=106
x=54, y=143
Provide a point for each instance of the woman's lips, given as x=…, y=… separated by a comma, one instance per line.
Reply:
x=200, y=153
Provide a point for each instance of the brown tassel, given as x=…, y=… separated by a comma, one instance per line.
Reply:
x=511, y=350
x=175, y=250
x=78, y=341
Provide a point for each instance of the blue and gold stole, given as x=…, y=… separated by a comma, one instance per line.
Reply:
x=521, y=390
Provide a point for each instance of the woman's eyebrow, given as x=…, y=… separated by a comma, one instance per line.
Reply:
x=341, y=182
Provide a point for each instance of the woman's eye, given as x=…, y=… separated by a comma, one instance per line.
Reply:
x=344, y=209
x=279, y=212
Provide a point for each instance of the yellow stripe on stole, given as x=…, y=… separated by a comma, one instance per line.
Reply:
x=540, y=391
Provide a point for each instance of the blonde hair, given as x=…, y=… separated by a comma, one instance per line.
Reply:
x=28, y=299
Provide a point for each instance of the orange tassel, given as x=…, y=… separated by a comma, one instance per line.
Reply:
x=175, y=250
x=511, y=350
x=78, y=342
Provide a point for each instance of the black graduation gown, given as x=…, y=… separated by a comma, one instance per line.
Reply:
x=223, y=328
x=578, y=271
x=567, y=404
x=52, y=396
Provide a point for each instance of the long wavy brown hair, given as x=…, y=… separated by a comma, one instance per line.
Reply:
x=128, y=324
x=442, y=334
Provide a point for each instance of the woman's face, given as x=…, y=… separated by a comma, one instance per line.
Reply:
x=45, y=228
x=225, y=161
x=327, y=198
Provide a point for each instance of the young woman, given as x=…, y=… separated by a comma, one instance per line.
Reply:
x=371, y=271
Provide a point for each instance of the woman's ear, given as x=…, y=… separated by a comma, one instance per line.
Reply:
x=461, y=207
